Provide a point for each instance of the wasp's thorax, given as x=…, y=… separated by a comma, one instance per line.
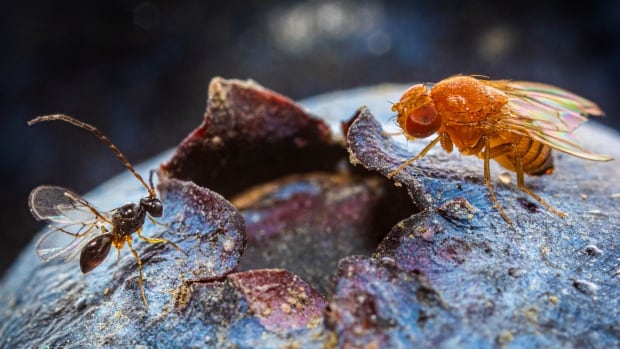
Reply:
x=130, y=217
x=417, y=114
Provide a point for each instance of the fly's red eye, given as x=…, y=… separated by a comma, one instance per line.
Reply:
x=423, y=121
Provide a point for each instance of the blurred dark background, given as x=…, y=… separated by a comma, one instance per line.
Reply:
x=139, y=70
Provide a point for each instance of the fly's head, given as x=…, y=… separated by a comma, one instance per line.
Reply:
x=417, y=114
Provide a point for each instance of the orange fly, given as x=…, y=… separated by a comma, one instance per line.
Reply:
x=516, y=123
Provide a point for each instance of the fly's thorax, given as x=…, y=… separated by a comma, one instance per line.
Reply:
x=467, y=106
x=467, y=137
x=463, y=99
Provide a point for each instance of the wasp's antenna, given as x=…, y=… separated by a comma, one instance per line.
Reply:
x=151, y=172
x=99, y=135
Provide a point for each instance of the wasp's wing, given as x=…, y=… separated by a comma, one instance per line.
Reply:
x=547, y=114
x=73, y=221
x=59, y=205
x=55, y=245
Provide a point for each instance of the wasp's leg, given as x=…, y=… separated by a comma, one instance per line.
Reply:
x=139, y=261
x=487, y=178
x=528, y=191
x=156, y=222
x=159, y=241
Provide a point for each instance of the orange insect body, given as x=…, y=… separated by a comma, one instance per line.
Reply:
x=515, y=123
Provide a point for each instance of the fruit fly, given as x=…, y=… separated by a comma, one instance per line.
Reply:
x=93, y=231
x=516, y=123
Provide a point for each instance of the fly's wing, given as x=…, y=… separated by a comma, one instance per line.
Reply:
x=73, y=222
x=547, y=114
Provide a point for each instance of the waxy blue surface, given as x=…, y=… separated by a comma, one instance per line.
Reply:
x=453, y=274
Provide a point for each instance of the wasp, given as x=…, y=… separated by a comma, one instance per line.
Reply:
x=515, y=123
x=92, y=232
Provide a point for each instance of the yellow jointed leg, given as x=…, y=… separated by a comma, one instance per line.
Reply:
x=521, y=184
x=159, y=241
x=412, y=160
x=487, y=180
x=139, y=261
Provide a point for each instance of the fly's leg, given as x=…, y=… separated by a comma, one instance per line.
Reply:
x=159, y=241
x=139, y=261
x=528, y=191
x=412, y=160
x=487, y=179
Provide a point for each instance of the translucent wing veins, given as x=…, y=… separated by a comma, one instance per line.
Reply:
x=73, y=220
x=548, y=114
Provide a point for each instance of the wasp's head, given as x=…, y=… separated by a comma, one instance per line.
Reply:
x=417, y=115
x=152, y=205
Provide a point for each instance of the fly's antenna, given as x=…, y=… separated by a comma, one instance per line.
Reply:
x=101, y=136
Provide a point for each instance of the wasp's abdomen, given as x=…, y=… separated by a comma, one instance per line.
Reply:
x=536, y=157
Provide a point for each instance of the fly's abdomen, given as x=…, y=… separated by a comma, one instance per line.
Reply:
x=536, y=157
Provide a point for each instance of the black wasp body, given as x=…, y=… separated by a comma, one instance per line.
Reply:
x=94, y=232
x=125, y=221
x=130, y=217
